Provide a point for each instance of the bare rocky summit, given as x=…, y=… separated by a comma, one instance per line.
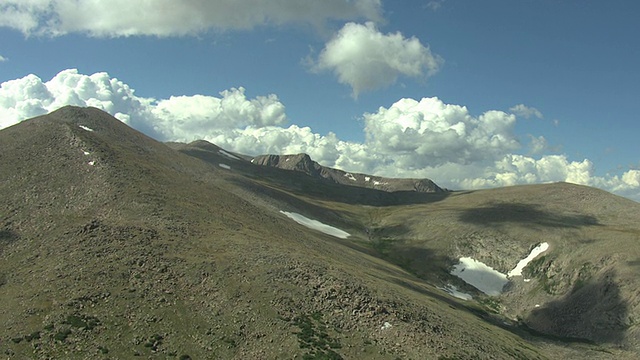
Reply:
x=116, y=246
x=303, y=163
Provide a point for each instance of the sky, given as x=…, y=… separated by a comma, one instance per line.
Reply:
x=471, y=94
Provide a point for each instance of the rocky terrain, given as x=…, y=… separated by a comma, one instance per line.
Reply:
x=304, y=164
x=113, y=245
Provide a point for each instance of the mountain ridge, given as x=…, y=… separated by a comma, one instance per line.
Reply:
x=303, y=163
x=140, y=248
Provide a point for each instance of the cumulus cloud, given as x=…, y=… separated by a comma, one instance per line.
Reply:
x=435, y=5
x=537, y=144
x=181, y=118
x=116, y=18
x=429, y=132
x=410, y=138
x=526, y=111
x=366, y=59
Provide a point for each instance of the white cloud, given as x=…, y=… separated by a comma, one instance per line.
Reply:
x=430, y=133
x=173, y=18
x=411, y=138
x=435, y=5
x=526, y=111
x=366, y=59
x=187, y=118
x=537, y=144
x=183, y=118
x=3, y=59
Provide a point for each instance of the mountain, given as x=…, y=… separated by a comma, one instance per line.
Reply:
x=303, y=163
x=114, y=245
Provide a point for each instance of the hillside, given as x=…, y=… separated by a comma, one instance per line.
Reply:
x=113, y=245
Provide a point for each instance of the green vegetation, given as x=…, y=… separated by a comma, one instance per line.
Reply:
x=82, y=321
x=314, y=337
x=62, y=335
x=154, y=341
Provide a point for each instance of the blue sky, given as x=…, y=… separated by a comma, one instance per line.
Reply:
x=527, y=91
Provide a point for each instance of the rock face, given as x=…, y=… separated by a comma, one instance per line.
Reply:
x=303, y=163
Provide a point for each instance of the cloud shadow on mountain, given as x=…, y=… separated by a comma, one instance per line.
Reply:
x=503, y=213
x=593, y=312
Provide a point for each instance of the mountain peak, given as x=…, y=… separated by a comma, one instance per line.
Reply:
x=303, y=163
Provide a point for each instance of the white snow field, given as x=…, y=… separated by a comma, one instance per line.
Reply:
x=517, y=271
x=316, y=225
x=487, y=279
x=482, y=277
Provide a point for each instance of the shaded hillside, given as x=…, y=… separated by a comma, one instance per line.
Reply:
x=113, y=245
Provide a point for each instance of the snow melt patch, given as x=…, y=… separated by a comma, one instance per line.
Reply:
x=453, y=291
x=517, y=271
x=225, y=166
x=229, y=155
x=85, y=128
x=479, y=275
x=316, y=225
x=350, y=176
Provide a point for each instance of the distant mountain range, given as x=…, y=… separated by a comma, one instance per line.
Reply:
x=116, y=246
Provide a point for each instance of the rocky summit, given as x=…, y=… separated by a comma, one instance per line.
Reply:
x=117, y=246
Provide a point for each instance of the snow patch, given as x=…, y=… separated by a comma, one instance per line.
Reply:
x=316, y=225
x=86, y=153
x=479, y=275
x=350, y=176
x=379, y=183
x=225, y=166
x=85, y=128
x=229, y=155
x=92, y=163
x=453, y=291
x=387, y=325
x=517, y=271
x=367, y=178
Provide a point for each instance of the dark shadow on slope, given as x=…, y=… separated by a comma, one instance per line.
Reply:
x=594, y=311
x=634, y=263
x=7, y=237
x=524, y=214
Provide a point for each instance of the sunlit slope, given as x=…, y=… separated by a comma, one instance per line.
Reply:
x=135, y=249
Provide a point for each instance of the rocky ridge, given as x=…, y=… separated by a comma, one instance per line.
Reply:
x=303, y=163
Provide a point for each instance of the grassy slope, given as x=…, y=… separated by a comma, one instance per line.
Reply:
x=155, y=253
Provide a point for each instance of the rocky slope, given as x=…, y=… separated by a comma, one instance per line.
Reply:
x=113, y=245
x=303, y=163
